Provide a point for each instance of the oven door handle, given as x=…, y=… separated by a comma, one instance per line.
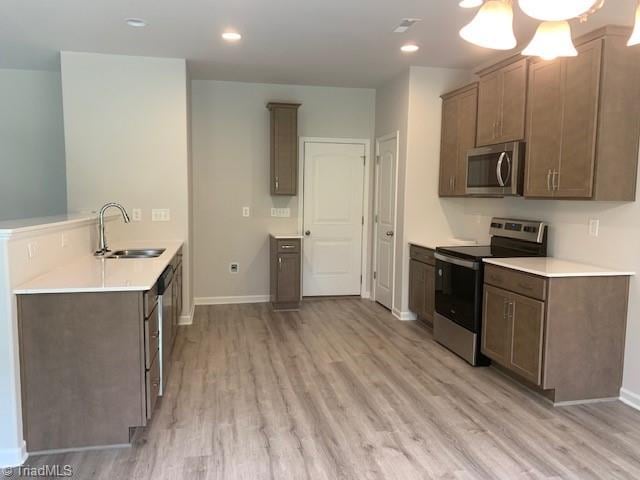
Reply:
x=458, y=261
x=501, y=180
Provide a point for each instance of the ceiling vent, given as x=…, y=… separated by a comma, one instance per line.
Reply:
x=406, y=24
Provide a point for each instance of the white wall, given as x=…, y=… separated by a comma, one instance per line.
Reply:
x=230, y=135
x=430, y=218
x=32, y=183
x=126, y=134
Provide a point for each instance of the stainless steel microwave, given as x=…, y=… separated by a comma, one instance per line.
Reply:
x=496, y=170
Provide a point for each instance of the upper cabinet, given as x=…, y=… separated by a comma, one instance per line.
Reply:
x=502, y=94
x=459, y=112
x=284, y=148
x=583, y=121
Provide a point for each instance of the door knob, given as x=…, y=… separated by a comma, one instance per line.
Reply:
x=307, y=233
x=389, y=233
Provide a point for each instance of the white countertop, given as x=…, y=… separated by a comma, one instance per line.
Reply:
x=555, y=267
x=94, y=274
x=447, y=242
x=281, y=236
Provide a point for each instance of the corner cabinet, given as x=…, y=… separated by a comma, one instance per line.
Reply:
x=284, y=148
x=502, y=96
x=286, y=272
x=583, y=121
x=562, y=336
x=422, y=289
x=458, y=135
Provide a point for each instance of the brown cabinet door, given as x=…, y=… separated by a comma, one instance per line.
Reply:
x=527, y=323
x=288, y=278
x=430, y=292
x=496, y=328
x=513, y=102
x=284, y=149
x=544, y=127
x=417, y=287
x=580, y=97
x=459, y=115
x=448, y=146
x=489, y=93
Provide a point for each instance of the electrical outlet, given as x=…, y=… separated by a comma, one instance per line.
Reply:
x=234, y=267
x=246, y=211
x=160, y=215
x=136, y=214
x=281, y=212
x=594, y=227
x=32, y=249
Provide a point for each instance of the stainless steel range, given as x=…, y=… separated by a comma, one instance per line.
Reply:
x=460, y=277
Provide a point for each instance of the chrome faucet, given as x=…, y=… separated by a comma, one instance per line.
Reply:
x=102, y=248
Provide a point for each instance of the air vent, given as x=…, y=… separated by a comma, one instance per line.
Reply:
x=406, y=24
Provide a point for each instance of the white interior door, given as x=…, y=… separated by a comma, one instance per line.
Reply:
x=332, y=218
x=385, y=226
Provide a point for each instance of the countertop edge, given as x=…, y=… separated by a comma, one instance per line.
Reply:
x=594, y=273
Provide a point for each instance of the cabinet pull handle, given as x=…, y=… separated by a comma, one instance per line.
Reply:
x=277, y=183
x=505, y=309
x=280, y=263
x=287, y=246
x=510, y=310
x=155, y=335
x=549, y=180
x=555, y=175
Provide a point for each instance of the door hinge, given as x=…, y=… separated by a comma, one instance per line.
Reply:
x=360, y=279
x=364, y=159
x=376, y=219
x=377, y=158
x=375, y=275
x=363, y=220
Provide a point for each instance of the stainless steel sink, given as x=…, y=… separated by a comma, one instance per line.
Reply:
x=136, y=253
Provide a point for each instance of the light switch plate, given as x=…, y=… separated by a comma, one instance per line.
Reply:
x=246, y=211
x=160, y=215
x=594, y=227
x=281, y=212
x=136, y=214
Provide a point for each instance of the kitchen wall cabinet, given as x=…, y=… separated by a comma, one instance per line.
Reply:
x=502, y=93
x=284, y=148
x=286, y=272
x=583, y=121
x=458, y=135
x=562, y=336
x=422, y=289
x=89, y=366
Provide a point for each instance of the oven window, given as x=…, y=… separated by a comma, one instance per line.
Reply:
x=458, y=294
x=481, y=171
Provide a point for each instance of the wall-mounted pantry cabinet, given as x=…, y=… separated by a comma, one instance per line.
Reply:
x=583, y=121
x=459, y=109
x=502, y=93
x=284, y=148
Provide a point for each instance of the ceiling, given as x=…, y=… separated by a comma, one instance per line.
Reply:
x=328, y=42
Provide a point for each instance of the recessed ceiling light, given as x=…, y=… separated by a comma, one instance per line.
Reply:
x=410, y=48
x=135, y=22
x=231, y=36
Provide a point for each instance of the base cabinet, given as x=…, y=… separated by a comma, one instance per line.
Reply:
x=562, y=336
x=422, y=288
x=286, y=273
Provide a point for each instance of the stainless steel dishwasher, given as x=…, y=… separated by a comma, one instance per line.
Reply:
x=165, y=306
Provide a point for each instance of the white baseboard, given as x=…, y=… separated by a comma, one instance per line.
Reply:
x=231, y=300
x=404, y=316
x=12, y=457
x=630, y=398
x=188, y=318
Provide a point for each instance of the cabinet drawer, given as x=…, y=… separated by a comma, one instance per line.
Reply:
x=151, y=337
x=152, y=386
x=289, y=246
x=421, y=254
x=150, y=300
x=514, y=281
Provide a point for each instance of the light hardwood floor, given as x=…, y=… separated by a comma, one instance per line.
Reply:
x=344, y=390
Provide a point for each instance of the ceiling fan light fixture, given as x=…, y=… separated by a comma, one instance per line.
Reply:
x=634, y=39
x=492, y=27
x=555, y=10
x=470, y=3
x=551, y=40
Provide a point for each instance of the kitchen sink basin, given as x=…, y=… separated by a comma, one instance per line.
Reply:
x=136, y=253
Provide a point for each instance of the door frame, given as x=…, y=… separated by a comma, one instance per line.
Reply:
x=364, y=264
x=374, y=262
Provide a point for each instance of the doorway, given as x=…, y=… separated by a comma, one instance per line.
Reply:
x=333, y=217
x=385, y=219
